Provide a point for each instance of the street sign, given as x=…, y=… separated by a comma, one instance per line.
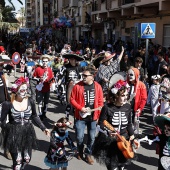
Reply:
x=16, y=58
x=148, y=30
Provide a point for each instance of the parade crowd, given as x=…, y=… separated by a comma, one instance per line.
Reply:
x=105, y=88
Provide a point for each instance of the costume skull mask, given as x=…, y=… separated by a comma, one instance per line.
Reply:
x=22, y=91
x=45, y=62
x=131, y=75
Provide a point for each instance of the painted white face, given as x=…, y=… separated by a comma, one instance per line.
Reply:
x=45, y=62
x=131, y=75
x=22, y=91
x=167, y=130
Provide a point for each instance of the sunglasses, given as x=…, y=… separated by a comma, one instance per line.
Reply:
x=130, y=74
x=84, y=75
x=45, y=61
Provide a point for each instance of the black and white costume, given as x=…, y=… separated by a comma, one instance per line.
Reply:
x=164, y=148
x=19, y=134
x=105, y=147
x=72, y=73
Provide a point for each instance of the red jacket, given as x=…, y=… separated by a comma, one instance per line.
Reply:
x=77, y=99
x=140, y=92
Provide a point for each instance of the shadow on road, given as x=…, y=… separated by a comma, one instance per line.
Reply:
x=3, y=167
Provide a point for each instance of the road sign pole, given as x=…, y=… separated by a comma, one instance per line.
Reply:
x=146, y=55
x=15, y=70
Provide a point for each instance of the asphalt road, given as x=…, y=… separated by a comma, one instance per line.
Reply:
x=146, y=157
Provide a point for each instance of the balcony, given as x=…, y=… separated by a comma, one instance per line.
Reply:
x=73, y=3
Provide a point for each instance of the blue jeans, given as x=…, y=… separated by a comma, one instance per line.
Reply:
x=91, y=132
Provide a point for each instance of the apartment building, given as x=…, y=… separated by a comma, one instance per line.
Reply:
x=105, y=20
x=40, y=12
x=111, y=19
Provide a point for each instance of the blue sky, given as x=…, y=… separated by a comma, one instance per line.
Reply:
x=16, y=4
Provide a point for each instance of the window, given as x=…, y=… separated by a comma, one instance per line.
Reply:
x=166, y=36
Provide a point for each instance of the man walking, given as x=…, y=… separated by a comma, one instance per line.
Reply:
x=44, y=75
x=86, y=96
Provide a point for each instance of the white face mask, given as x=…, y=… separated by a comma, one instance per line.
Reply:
x=22, y=91
x=45, y=62
x=131, y=75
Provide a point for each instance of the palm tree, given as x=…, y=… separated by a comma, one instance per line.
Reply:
x=7, y=19
x=7, y=14
x=2, y=3
x=21, y=17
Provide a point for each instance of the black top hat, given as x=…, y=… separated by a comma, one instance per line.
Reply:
x=75, y=56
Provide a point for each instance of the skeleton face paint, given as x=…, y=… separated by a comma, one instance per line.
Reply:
x=167, y=130
x=22, y=91
x=131, y=75
x=45, y=62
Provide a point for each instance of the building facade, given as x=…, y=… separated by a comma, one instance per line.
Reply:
x=40, y=12
x=105, y=20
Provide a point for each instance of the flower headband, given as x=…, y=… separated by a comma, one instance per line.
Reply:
x=18, y=82
x=119, y=84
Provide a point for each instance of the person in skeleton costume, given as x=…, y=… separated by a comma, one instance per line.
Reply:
x=56, y=156
x=153, y=95
x=118, y=114
x=19, y=134
x=137, y=93
x=44, y=75
x=87, y=99
x=163, y=122
x=72, y=76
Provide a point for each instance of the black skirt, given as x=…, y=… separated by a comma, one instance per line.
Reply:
x=17, y=137
x=106, y=151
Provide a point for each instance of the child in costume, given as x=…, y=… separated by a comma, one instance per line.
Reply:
x=163, y=122
x=153, y=95
x=56, y=156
